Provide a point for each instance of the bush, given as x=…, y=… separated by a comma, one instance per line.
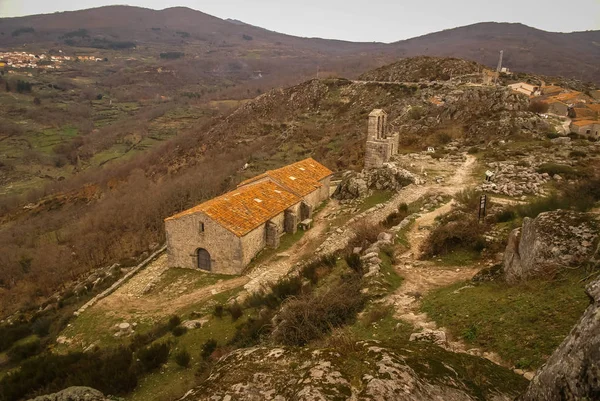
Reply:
x=23, y=351
x=464, y=234
x=13, y=333
x=281, y=290
x=469, y=198
x=154, y=356
x=171, y=55
x=443, y=138
x=182, y=358
x=311, y=270
x=236, y=311
x=538, y=106
x=174, y=321
x=218, y=311
x=353, y=261
x=577, y=153
x=41, y=326
x=365, y=234
x=394, y=218
x=311, y=316
x=178, y=331
x=110, y=371
x=505, y=215
x=208, y=348
x=560, y=169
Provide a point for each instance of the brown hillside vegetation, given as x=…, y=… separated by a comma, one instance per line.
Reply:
x=107, y=215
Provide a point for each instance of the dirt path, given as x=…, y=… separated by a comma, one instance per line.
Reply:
x=136, y=297
x=421, y=277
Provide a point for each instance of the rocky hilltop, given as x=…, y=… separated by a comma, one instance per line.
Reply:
x=423, y=68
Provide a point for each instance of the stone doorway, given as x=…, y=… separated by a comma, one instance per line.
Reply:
x=203, y=259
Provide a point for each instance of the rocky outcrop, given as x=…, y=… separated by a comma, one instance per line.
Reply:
x=549, y=242
x=262, y=373
x=74, y=394
x=390, y=177
x=423, y=68
x=573, y=370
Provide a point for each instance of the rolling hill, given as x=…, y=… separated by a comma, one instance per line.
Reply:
x=526, y=49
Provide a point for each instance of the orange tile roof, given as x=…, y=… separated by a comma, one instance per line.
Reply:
x=551, y=89
x=242, y=210
x=582, y=123
x=301, y=177
x=563, y=97
x=581, y=112
x=595, y=107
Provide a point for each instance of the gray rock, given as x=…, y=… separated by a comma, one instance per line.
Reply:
x=573, y=370
x=390, y=177
x=549, y=242
x=432, y=336
x=194, y=324
x=73, y=394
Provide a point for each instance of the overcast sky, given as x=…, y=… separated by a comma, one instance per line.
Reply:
x=371, y=20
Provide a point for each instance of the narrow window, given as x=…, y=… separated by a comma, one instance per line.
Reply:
x=201, y=227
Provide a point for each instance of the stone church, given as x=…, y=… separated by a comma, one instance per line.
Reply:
x=224, y=234
x=381, y=144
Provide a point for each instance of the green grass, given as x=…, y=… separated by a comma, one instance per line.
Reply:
x=172, y=381
x=523, y=323
x=374, y=199
x=390, y=277
x=460, y=257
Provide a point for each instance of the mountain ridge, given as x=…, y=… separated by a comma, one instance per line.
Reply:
x=526, y=49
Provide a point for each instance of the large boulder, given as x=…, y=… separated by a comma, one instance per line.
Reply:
x=549, y=242
x=390, y=177
x=573, y=370
x=74, y=394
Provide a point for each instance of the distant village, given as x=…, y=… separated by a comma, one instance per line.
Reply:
x=582, y=108
x=17, y=60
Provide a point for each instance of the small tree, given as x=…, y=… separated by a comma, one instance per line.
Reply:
x=538, y=106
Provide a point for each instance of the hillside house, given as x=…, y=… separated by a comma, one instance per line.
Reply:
x=586, y=127
x=381, y=145
x=224, y=234
x=557, y=107
x=582, y=113
x=525, y=88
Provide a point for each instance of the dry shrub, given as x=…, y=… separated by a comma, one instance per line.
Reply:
x=375, y=314
x=464, y=234
x=343, y=342
x=365, y=234
x=538, y=106
x=309, y=317
x=469, y=198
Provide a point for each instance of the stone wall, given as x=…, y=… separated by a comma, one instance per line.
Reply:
x=184, y=237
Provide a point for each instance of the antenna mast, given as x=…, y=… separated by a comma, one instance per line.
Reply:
x=499, y=68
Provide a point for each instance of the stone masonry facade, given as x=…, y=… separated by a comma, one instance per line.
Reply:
x=224, y=234
x=381, y=145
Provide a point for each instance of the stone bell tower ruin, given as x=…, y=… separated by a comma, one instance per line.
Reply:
x=381, y=145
